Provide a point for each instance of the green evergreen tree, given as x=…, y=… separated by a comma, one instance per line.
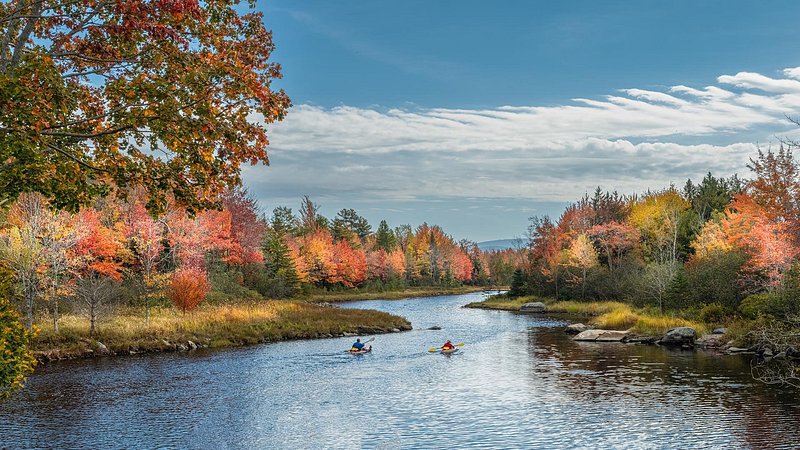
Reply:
x=283, y=280
x=517, y=284
x=384, y=237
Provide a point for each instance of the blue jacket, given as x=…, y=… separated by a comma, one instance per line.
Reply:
x=358, y=345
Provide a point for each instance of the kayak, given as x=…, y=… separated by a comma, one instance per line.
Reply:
x=360, y=352
x=449, y=351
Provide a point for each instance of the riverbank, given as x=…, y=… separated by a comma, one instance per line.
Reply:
x=352, y=296
x=210, y=326
x=604, y=315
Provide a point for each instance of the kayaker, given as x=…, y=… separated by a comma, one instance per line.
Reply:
x=448, y=346
x=357, y=346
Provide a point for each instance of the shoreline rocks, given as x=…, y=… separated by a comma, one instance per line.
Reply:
x=679, y=337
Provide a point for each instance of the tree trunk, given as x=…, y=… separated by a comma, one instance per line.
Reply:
x=55, y=314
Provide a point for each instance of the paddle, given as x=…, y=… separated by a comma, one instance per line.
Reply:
x=434, y=349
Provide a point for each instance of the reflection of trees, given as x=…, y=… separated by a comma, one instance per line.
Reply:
x=656, y=384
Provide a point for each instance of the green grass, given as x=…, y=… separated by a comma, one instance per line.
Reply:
x=210, y=325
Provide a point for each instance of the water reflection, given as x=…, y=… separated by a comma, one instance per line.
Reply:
x=519, y=382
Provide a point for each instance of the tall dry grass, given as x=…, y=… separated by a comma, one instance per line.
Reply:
x=212, y=326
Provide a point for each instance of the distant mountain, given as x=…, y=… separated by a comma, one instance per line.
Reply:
x=501, y=244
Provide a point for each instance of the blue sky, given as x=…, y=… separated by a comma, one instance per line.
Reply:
x=478, y=115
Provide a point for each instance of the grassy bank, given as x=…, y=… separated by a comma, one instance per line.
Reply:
x=213, y=326
x=604, y=315
x=355, y=295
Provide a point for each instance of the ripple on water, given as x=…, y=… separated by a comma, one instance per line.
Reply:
x=520, y=382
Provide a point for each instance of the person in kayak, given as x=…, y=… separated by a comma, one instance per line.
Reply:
x=357, y=346
x=448, y=346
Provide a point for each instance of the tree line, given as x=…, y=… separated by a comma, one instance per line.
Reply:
x=117, y=251
x=723, y=245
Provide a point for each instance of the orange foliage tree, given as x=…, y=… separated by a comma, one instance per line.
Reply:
x=188, y=288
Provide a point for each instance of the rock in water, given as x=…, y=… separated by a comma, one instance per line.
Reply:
x=534, y=307
x=679, y=336
x=601, y=336
x=575, y=328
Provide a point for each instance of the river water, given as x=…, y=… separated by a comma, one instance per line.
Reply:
x=518, y=382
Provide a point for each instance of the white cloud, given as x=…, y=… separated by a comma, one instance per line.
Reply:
x=637, y=140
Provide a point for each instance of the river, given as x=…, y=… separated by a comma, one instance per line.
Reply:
x=518, y=382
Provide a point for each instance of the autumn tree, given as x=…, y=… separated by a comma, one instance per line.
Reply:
x=188, y=288
x=247, y=229
x=22, y=252
x=583, y=256
x=776, y=187
x=146, y=235
x=142, y=92
x=615, y=239
x=658, y=218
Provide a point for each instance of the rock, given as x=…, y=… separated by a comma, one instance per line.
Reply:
x=737, y=350
x=533, y=307
x=395, y=330
x=348, y=334
x=166, y=343
x=678, y=337
x=767, y=353
x=780, y=355
x=601, y=336
x=435, y=327
x=191, y=345
x=181, y=348
x=720, y=330
x=575, y=328
x=648, y=340
x=101, y=349
x=710, y=341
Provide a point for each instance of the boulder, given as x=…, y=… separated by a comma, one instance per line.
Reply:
x=575, y=328
x=720, y=330
x=678, y=337
x=601, y=336
x=395, y=330
x=435, y=327
x=533, y=307
x=101, y=349
x=737, y=350
x=710, y=341
x=191, y=345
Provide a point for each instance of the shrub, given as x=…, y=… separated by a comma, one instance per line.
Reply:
x=188, y=288
x=755, y=305
x=712, y=313
x=16, y=360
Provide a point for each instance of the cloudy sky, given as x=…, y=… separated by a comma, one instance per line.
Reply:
x=477, y=115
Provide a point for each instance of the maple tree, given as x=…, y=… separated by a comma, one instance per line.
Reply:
x=142, y=92
x=146, y=235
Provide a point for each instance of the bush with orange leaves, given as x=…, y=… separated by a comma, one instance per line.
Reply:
x=188, y=288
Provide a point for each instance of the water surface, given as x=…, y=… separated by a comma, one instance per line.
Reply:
x=519, y=382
